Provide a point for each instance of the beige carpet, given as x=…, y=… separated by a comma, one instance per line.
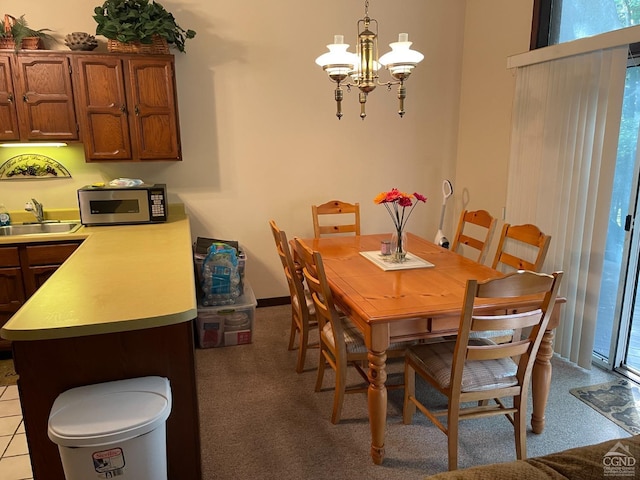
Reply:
x=8, y=375
x=259, y=419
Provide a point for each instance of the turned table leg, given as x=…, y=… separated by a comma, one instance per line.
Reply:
x=541, y=381
x=377, y=397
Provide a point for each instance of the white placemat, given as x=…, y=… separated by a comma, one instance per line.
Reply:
x=385, y=262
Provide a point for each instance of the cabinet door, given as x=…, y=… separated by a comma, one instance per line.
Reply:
x=34, y=277
x=8, y=117
x=12, y=295
x=154, y=115
x=45, y=107
x=100, y=98
x=40, y=261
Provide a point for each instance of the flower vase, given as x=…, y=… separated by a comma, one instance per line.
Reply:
x=399, y=246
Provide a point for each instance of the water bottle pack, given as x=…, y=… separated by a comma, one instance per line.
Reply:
x=220, y=276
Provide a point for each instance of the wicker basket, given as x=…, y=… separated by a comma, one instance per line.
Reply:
x=159, y=45
x=7, y=43
x=30, y=43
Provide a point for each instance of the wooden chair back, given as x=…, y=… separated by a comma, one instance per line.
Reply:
x=341, y=342
x=469, y=350
x=302, y=319
x=326, y=313
x=514, y=286
x=475, y=230
x=472, y=370
x=518, y=241
x=331, y=209
x=333, y=333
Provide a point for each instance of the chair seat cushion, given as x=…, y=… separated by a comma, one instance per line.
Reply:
x=354, y=339
x=308, y=300
x=435, y=360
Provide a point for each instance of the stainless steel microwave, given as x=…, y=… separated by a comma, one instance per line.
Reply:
x=123, y=205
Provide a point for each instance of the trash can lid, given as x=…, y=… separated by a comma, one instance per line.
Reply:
x=109, y=412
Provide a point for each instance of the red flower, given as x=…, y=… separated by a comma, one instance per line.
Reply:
x=399, y=199
x=419, y=197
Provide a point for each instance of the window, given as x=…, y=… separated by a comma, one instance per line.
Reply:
x=558, y=21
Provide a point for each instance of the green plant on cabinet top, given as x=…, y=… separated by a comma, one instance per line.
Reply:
x=139, y=20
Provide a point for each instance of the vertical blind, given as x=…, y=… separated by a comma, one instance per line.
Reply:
x=566, y=120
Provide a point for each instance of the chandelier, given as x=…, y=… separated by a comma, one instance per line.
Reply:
x=361, y=68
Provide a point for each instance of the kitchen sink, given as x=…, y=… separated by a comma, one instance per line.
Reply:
x=39, y=228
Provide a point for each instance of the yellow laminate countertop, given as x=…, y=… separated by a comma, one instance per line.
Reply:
x=121, y=278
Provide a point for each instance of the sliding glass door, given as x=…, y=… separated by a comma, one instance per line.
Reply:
x=617, y=342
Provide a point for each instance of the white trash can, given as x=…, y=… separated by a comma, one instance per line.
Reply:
x=113, y=429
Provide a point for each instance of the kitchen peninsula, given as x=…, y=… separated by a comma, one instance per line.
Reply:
x=120, y=307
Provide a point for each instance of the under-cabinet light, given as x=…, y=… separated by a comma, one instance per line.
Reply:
x=32, y=145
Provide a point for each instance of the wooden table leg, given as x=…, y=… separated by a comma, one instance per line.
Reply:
x=541, y=381
x=377, y=397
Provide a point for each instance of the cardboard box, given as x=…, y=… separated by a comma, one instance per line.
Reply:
x=226, y=325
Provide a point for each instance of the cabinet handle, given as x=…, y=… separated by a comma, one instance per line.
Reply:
x=122, y=108
x=24, y=98
x=10, y=97
x=137, y=110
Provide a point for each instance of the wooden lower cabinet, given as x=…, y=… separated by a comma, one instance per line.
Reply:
x=11, y=287
x=40, y=261
x=23, y=269
x=46, y=368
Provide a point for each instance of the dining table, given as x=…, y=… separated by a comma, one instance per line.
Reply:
x=420, y=298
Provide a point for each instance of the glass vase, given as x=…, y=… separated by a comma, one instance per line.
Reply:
x=399, y=246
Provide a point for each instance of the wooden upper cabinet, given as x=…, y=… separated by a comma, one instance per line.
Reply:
x=102, y=106
x=128, y=107
x=153, y=97
x=123, y=107
x=43, y=96
x=9, y=129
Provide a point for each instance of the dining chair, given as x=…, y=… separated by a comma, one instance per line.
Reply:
x=303, y=315
x=520, y=241
x=341, y=342
x=475, y=230
x=471, y=372
x=331, y=209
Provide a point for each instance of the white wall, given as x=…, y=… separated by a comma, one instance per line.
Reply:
x=494, y=30
x=260, y=139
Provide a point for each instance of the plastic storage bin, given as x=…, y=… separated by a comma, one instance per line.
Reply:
x=113, y=430
x=226, y=325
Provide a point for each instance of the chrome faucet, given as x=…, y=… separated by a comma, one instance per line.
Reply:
x=36, y=208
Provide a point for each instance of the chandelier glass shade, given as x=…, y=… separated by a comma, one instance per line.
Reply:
x=361, y=69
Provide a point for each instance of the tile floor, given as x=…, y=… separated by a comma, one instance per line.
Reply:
x=14, y=453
